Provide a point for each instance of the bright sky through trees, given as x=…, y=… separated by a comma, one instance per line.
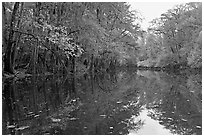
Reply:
x=152, y=10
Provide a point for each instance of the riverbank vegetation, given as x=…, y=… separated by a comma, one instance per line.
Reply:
x=174, y=39
x=79, y=37
x=80, y=68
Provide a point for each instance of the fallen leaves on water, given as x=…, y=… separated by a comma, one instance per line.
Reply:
x=55, y=120
x=11, y=126
x=73, y=118
x=198, y=127
x=184, y=120
x=22, y=128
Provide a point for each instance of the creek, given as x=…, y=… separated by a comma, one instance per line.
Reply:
x=126, y=102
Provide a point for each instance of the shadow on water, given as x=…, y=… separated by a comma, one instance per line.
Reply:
x=124, y=102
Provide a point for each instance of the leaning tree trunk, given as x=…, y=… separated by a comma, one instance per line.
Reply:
x=8, y=61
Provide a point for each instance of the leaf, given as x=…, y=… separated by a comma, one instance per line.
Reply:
x=55, y=120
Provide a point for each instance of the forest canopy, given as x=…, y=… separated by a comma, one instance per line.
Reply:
x=54, y=37
x=175, y=38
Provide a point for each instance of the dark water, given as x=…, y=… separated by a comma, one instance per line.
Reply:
x=127, y=102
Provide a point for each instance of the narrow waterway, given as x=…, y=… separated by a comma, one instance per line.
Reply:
x=124, y=102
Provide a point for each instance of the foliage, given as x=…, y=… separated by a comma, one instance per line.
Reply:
x=179, y=29
x=60, y=32
x=174, y=38
x=60, y=37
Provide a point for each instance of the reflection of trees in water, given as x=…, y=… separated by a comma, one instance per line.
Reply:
x=56, y=107
x=47, y=105
x=32, y=99
x=194, y=83
x=107, y=82
x=7, y=101
x=178, y=108
x=106, y=112
x=177, y=115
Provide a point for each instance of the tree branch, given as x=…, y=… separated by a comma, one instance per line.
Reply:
x=25, y=33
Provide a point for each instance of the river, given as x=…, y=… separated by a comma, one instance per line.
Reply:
x=126, y=102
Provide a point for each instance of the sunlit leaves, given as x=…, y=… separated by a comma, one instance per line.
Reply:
x=59, y=37
x=179, y=28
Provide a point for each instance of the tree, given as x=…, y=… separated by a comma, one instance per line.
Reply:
x=179, y=28
x=9, y=41
x=55, y=35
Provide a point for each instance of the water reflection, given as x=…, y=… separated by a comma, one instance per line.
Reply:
x=151, y=126
x=175, y=102
x=124, y=102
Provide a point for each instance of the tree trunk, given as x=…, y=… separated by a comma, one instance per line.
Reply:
x=8, y=61
x=17, y=38
x=4, y=25
x=34, y=56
